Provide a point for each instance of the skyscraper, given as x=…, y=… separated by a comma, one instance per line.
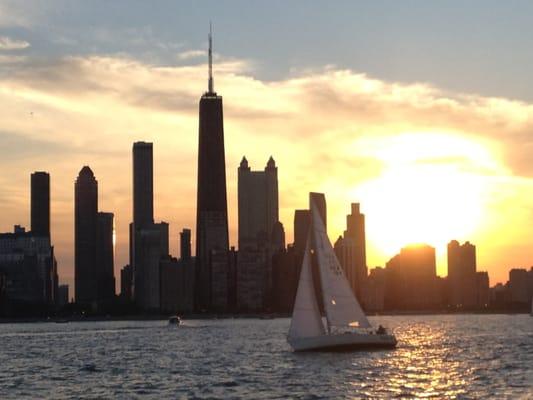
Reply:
x=258, y=204
x=85, y=221
x=185, y=244
x=143, y=184
x=302, y=221
x=105, y=259
x=462, y=280
x=148, y=240
x=212, y=208
x=351, y=250
x=40, y=203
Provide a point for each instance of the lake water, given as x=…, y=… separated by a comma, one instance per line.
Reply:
x=462, y=356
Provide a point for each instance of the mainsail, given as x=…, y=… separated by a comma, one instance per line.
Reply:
x=306, y=319
x=340, y=304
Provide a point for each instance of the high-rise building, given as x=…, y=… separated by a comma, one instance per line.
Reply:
x=86, y=225
x=185, y=244
x=126, y=283
x=411, y=280
x=519, y=287
x=40, y=203
x=105, y=257
x=148, y=240
x=462, y=281
x=258, y=204
x=302, y=222
x=143, y=184
x=212, y=209
x=351, y=250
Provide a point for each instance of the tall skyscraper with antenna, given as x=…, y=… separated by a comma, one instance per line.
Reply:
x=212, y=242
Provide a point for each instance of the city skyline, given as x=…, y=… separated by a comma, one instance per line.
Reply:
x=463, y=162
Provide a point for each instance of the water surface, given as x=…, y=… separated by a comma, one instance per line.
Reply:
x=461, y=356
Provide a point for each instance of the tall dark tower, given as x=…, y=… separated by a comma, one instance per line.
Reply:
x=86, y=225
x=212, y=207
x=40, y=203
x=143, y=185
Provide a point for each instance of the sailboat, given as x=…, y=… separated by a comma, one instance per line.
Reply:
x=347, y=327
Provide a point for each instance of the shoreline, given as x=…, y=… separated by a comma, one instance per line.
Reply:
x=162, y=317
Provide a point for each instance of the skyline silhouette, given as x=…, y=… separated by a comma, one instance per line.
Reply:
x=440, y=158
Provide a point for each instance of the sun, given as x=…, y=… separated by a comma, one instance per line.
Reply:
x=432, y=188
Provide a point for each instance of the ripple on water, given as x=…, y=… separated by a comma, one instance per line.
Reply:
x=438, y=356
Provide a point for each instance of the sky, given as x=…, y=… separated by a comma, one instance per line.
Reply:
x=420, y=111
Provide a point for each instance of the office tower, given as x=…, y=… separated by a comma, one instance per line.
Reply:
x=212, y=214
x=105, y=257
x=351, y=250
x=462, y=281
x=258, y=204
x=302, y=221
x=40, y=203
x=29, y=268
x=85, y=222
x=185, y=244
x=148, y=240
x=126, y=283
x=143, y=184
x=519, y=287
x=62, y=297
x=411, y=280
x=320, y=201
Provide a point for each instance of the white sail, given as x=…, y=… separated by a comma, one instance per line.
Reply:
x=340, y=304
x=306, y=319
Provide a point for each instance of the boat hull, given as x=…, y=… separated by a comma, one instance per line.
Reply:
x=343, y=342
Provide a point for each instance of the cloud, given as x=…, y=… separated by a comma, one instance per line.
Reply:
x=191, y=54
x=332, y=130
x=6, y=43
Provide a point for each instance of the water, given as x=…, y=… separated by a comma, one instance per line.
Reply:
x=463, y=356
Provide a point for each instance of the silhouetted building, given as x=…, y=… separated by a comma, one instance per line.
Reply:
x=351, y=250
x=302, y=222
x=151, y=246
x=105, y=257
x=185, y=244
x=519, y=287
x=373, y=292
x=258, y=204
x=143, y=185
x=29, y=269
x=177, y=285
x=212, y=243
x=40, y=203
x=252, y=277
x=411, y=280
x=286, y=266
x=86, y=225
x=482, y=289
x=62, y=296
x=462, y=278
x=126, y=283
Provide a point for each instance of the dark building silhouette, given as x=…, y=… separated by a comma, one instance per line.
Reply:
x=462, y=280
x=40, y=203
x=258, y=204
x=85, y=228
x=286, y=266
x=185, y=244
x=148, y=240
x=411, y=280
x=143, y=184
x=126, y=283
x=373, y=292
x=29, y=270
x=212, y=243
x=105, y=257
x=351, y=250
x=62, y=296
x=302, y=221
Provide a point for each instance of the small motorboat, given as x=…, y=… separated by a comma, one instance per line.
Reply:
x=174, y=320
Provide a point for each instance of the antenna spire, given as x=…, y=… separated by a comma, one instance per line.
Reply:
x=210, y=54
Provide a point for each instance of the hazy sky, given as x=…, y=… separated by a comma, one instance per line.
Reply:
x=422, y=111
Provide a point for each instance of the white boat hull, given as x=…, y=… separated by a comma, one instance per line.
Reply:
x=343, y=342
